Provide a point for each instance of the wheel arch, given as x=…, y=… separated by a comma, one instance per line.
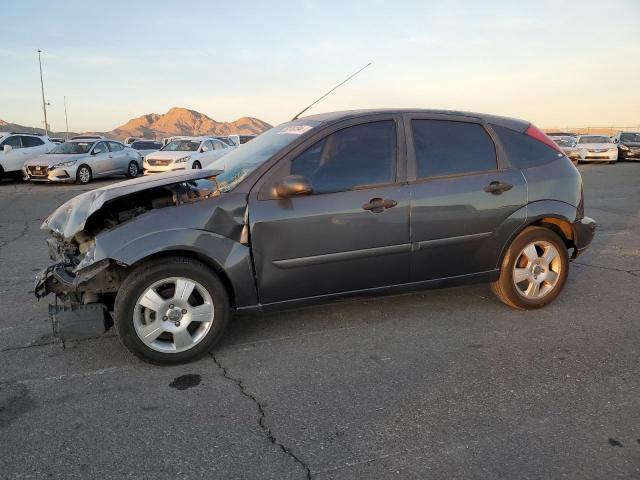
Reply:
x=551, y=214
x=208, y=261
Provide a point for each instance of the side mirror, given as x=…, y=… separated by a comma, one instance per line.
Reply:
x=615, y=140
x=7, y=148
x=294, y=185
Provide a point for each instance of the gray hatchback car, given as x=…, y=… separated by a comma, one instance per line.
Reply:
x=315, y=209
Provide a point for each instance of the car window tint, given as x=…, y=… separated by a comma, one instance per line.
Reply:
x=100, y=148
x=522, y=150
x=115, y=146
x=451, y=148
x=355, y=156
x=13, y=141
x=28, y=141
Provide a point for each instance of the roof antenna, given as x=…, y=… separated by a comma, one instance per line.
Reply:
x=334, y=88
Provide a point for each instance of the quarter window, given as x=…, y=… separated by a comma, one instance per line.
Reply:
x=445, y=147
x=524, y=151
x=353, y=157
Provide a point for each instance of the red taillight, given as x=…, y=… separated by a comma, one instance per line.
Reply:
x=539, y=135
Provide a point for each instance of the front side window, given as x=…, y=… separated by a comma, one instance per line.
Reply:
x=206, y=146
x=28, y=141
x=100, y=148
x=353, y=157
x=446, y=147
x=13, y=141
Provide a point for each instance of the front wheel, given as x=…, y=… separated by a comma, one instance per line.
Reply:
x=171, y=310
x=197, y=165
x=83, y=175
x=534, y=269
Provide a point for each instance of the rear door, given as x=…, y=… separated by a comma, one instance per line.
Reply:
x=351, y=232
x=463, y=195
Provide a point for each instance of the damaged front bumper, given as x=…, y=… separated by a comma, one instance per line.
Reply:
x=78, y=315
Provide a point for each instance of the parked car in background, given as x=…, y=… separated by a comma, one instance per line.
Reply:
x=186, y=153
x=568, y=146
x=16, y=148
x=561, y=134
x=628, y=145
x=596, y=148
x=240, y=139
x=83, y=160
x=145, y=147
x=226, y=140
x=320, y=208
x=57, y=140
x=88, y=137
x=130, y=140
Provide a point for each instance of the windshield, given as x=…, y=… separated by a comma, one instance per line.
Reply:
x=630, y=137
x=594, y=139
x=72, y=147
x=244, y=160
x=182, y=146
x=564, y=142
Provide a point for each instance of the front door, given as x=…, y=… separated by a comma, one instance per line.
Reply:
x=102, y=161
x=352, y=231
x=463, y=198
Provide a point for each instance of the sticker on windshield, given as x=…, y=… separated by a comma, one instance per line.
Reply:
x=295, y=130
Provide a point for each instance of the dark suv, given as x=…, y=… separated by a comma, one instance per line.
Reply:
x=318, y=208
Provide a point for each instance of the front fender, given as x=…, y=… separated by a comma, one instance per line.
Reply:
x=233, y=258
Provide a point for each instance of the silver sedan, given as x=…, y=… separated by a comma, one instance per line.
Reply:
x=82, y=160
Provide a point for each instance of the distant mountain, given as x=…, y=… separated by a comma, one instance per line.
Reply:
x=182, y=121
x=177, y=121
x=14, y=127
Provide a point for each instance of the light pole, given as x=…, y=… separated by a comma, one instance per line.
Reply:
x=66, y=119
x=44, y=104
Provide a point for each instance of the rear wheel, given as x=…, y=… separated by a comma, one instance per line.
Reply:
x=171, y=310
x=534, y=269
x=83, y=175
x=133, y=169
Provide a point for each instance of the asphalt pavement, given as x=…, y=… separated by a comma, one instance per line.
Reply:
x=436, y=384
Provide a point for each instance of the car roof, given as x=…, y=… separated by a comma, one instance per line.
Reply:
x=330, y=117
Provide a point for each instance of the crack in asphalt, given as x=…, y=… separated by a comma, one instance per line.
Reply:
x=262, y=420
x=22, y=233
x=634, y=272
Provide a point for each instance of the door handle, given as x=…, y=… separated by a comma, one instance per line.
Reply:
x=496, y=188
x=378, y=205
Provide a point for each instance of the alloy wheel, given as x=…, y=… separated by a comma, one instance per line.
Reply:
x=537, y=270
x=173, y=315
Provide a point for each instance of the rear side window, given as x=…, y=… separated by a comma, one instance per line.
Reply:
x=353, y=157
x=31, y=141
x=524, y=151
x=115, y=147
x=451, y=148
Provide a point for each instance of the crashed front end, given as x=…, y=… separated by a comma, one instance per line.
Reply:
x=83, y=278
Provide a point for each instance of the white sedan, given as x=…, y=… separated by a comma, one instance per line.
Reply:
x=596, y=148
x=186, y=153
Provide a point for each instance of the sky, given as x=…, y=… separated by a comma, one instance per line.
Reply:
x=554, y=63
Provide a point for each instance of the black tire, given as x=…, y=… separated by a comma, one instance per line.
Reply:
x=145, y=275
x=196, y=165
x=612, y=162
x=506, y=290
x=131, y=173
x=81, y=178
